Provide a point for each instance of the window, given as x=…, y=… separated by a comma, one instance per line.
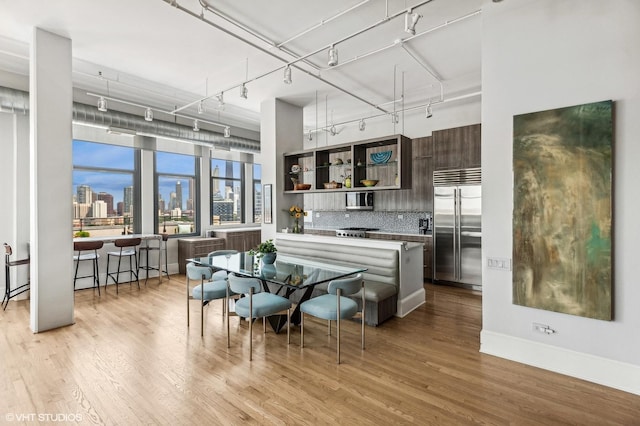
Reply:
x=176, y=193
x=227, y=192
x=105, y=193
x=257, y=193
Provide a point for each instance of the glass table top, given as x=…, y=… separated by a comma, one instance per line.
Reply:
x=287, y=270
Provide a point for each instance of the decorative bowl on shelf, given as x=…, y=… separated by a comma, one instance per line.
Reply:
x=295, y=168
x=301, y=186
x=338, y=162
x=332, y=185
x=369, y=182
x=380, y=157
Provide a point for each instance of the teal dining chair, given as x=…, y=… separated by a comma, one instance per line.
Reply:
x=334, y=306
x=206, y=291
x=256, y=304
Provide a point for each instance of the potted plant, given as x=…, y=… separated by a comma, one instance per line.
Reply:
x=266, y=251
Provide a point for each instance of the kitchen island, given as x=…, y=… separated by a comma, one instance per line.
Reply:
x=410, y=255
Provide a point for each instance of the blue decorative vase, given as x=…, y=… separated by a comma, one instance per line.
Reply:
x=269, y=258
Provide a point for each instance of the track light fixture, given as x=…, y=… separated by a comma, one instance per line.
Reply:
x=148, y=114
x=102, y=104
x=410, y=21
x=394, y=118
x=201, y=109
x=287, y=75
x=227, y=132
x=333, y=130
x=429, y=112
x=243, y=91
x=333, y=56
x=361, y=125
x=220, y=98
x=195, y=126
x=309, y=136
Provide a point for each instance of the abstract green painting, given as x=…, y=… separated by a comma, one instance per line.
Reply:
x=562, y=227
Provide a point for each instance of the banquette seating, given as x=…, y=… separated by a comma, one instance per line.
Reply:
x=381, y=277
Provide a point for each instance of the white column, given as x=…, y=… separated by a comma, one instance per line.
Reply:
x=280, y=131
x=51, y=102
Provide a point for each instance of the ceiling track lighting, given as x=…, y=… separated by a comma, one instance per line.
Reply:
x=243, y=91
x=309, y=136
x=394, y=118
x=102, y=104
x=227, y=132
x=428, y=111
x=195, y=126
x=287, y=75
x=361, y=125
x=201, y=108
x=220, y=98
x=333, y=56
x=333, y=130
x=148, y=114
x=410, y=21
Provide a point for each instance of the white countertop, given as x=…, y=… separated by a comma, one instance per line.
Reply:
x=356, y=242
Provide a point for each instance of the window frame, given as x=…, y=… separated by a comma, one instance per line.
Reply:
x=136, y=179
x=196, y=196
x=242, y=181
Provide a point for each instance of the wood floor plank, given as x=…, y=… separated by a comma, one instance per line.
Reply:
x=131, y=359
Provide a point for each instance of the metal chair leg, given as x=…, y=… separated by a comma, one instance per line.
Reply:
x=301, y=329
x=338, y=323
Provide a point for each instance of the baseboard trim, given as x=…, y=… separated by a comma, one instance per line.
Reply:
x=410, y=303
x=603, y=371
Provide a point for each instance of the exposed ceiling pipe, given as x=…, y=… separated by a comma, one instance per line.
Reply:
x=322, y=22
x=426, y=67
x=12, y=100
x=208, y=7
x=395, y=43
x=263, y=50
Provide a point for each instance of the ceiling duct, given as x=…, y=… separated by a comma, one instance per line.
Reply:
x=12, y=100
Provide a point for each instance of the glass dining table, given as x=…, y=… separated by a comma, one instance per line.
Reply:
x=287, y=275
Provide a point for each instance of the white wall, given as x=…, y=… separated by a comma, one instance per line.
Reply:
x=539, y=55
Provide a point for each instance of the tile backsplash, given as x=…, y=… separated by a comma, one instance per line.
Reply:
x=400, y=222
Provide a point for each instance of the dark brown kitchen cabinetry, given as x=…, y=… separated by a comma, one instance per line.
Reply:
x=420, y=195
x=241, y=240
x=457, y=148
x=189, y=248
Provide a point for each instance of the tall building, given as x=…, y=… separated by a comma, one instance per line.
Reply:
x=128, y=201
x=85, y=194
x=179, y=195
x=173, y=204
x=161, y=206
x=120, y=208
x=108, y=199
x=99, y=209
x=216, y=182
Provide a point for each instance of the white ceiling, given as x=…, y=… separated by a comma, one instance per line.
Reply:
x=156, y=54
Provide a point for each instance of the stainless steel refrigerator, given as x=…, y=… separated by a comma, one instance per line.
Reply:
x=457, y=232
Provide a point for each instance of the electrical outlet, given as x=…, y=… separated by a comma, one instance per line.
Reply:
x=542, y=328
x=500, y=263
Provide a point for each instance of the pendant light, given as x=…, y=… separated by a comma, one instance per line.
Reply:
x=287, y=75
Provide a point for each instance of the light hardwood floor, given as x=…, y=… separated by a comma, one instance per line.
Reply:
x=131, y=359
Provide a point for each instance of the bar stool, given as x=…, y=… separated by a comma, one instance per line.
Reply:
x=92, y=247
x=9, y=292
x=161, y=247
x=124, y=245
